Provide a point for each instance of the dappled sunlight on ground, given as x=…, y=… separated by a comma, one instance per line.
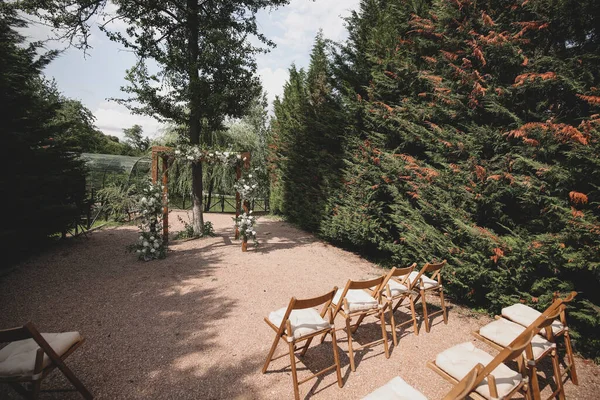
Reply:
x=191, y=326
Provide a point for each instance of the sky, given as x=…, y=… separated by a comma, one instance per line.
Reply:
x=99, y=75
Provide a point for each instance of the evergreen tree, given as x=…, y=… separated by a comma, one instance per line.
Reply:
x=309, y=121
x=472, y=135
x=44, y=183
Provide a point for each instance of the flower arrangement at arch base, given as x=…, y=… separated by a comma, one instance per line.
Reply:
x=245, y=225
x=150, y=244
x=248, y=189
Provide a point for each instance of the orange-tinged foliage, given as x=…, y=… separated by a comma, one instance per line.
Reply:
x=391, y=74
x=525, y=62
x=530, y=26
x=480, y=172
x=529, y=77
x=495, y=177
x=576, y=213
x=430, y=59
x=487, y=20
x=594, y=100
x=578, y=197
x=448, y=55
x=563, y=132
x=498, y=254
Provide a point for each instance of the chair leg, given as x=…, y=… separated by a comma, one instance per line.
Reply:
x=571, y=358
x=306, y=345
x=535, y=384
x=414, y=316
x=557, y=375
x=443, y=304
x=294, y=374
x=384, y=334
x=338, y=367
x=35, y=391
x=425, y=316
x=75, y=381
x=350, y=350
x=271, y=352
x=358, y=322
x=393, y=323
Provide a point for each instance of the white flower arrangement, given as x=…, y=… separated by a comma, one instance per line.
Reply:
x=150, y=245
x=195, y=153
x=248, y=188
x=245, y=223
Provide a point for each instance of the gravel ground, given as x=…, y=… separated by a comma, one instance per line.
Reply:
x=191, y=326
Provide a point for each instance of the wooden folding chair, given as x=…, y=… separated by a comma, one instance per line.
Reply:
x=397, y=288
x=30, y=356
x=360, y=299
x=525, y=315
x=398, y=389
x=496, y=380
x=299, y=322
x=500, y=333
x=424, y=284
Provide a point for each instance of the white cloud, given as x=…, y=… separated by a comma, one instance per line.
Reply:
x=273, y=81
x=293, y=28
x=112, y=118
x=302, y=19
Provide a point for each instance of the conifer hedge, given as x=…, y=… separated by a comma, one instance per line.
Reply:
x=469, y=131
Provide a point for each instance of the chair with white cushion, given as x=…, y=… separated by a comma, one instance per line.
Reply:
x=525, y=315
x=420, y=282
x=360, y=299
x=30, y=356
x=501, y=332
x=496, y=381
x=398, y=389
x=299, y=322
x=397, y=288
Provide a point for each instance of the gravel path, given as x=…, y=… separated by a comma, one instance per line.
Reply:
x=191, y=326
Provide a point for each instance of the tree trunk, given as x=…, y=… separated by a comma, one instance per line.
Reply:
x=211, y=186
x=194, y=103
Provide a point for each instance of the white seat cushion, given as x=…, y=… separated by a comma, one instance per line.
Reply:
x=396, y=389
x=525, y=315
x=358, y=300
x=457, y=361
x=18, y=358
x=396, y=288
x=503, y=332
x=304, y=322
x=428, y=283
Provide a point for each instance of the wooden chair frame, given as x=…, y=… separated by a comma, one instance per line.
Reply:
x=513, y=352
x=544, y=322
x=439, y=289
x=560, y=306
x=466, y=385
x=373, y=287
x=395, y=274
x=570, y=370
x=29, y=331
x=285, y=332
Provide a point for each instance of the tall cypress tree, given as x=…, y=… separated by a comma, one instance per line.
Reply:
x=308, y=139
x=478, y=143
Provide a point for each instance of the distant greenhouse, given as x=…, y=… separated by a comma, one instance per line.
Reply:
x=106, y=168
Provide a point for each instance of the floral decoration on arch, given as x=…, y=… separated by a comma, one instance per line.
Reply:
x=150, y=244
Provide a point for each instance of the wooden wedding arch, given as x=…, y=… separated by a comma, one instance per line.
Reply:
x=160, y=169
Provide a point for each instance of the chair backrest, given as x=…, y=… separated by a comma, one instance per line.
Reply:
x=372, y=285
x=398, y=272
x=466, y=385
x=14, y=334
x=429, y=267
x=299, y=304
